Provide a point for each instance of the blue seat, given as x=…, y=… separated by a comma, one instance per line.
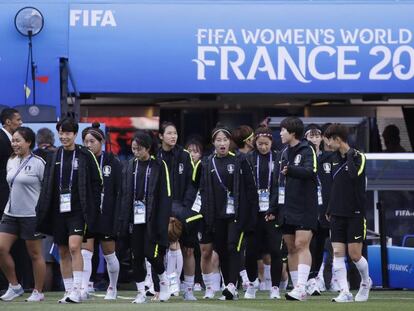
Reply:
x=408, y=240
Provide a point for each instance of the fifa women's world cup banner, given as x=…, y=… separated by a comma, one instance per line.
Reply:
x=243, y=47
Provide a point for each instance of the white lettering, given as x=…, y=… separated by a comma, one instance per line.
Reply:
x=92, y=18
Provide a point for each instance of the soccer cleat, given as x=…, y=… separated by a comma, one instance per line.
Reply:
x=343, y=297
x=164, y=291
x=197, y=287
x=209, y=294
x=229, y=292
x=11, y=293
x=298, y=293
x=189, y=294
x=74, y=296
x=363, y=292
x=140, y=298
x=111, y=293
x=65, y=296
x=251, y=290
x=274, y=293
x=35, y=296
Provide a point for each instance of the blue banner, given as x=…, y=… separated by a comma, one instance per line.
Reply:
x=243, y=47
x=400, y=266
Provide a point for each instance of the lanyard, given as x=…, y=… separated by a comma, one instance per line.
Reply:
x=101, y=162
x=270, y=171
x=145, y=180
x=280, y=167
x=20, y=169
x=61, y=171
x=218, y=176
x=339, y=169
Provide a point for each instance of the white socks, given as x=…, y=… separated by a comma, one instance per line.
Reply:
x=213, y=280
x=283, y=285
x=216, y=281
x=303, y=274
x=294, y=277
x=175, y=262
x=77, y=280
x=362, y=266
x=87, y=268
x=243, y=275
x=321, y=269
x=189, y=281
x=112, y=265
x=340, y=273
x=141, y=287
x=266, y=273
x=68, y=283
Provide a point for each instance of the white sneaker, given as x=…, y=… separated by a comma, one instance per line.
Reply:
x=65, y=296
x=35, y=296
x=245, y=285
x=84, y=295
x=11, y=293
x=140, y=298
x=189, y=294
x=229, y=292
x=312, y=288
x=274, y=293
x=363, y=292
x=251, y=290
x=298, y=293
x=164, y=291
x=111, y=293
x=197, y=287
x=209, y=294
x=343, y=297
x=320, y=282
x=74, y=296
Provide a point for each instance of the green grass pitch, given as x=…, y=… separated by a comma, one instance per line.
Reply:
x=379, y=300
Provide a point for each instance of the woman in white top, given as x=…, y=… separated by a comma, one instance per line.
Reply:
x=24, y=176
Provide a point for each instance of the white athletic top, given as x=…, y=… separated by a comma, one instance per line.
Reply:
x=25, y=191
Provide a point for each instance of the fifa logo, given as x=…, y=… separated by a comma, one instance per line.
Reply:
x=92, y=18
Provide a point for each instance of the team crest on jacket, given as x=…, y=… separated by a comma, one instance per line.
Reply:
x=297, y=160
x=230, y=168
x=107, y=170
x=327, y=167
x=27, y=168
x=180, y=168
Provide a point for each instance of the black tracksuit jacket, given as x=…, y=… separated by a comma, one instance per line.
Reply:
x=348, y=194
x=89, y=187
x=244, y=193
x=301, y=198
x=158, y=200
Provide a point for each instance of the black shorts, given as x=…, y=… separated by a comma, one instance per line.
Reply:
x=98, y=236
x=68, y=224
x=291, y=229
x=204, y=237
x=348, y=229
x=268, y=236
x=23, y=227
